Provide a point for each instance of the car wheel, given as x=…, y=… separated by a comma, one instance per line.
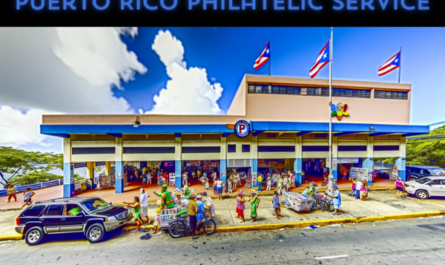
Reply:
x=34, y=236
x=421, y=194
x=95, y=233
x=411, y=178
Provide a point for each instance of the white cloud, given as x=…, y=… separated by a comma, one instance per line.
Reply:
x=188, y=91
x=60, y=70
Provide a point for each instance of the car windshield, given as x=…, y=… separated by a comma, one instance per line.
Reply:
x=95, y=204
x=436, y=172
x=424, y=180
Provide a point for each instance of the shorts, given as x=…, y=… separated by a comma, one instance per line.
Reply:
x=30, y=201
x=399, y=188
x=136, y=215
x=240, y=212
x=144, y=211
x=337, y=207
x=220, y=189
x=215, y=188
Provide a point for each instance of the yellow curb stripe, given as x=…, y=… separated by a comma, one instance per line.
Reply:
x=11, y=237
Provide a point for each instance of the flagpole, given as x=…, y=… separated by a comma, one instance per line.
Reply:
x=331, y=179
x=270, y=57
x=400, y=63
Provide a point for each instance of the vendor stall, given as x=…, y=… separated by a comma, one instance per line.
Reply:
x=361, y=174
x=298, y=202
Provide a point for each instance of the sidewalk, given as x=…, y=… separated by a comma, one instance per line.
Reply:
x=379, y=203
x=133, y=189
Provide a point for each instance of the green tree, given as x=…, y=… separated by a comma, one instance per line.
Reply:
x=33, y=177
x=427, y=151
x=18, y=162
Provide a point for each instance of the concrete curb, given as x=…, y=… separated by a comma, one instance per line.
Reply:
x=293, y=224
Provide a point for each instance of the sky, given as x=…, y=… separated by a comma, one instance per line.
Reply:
x=191, y=70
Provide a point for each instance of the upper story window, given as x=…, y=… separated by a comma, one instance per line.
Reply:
x=354, y=93
x=390, y=94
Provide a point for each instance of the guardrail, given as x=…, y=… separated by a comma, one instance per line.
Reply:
x=35, y=186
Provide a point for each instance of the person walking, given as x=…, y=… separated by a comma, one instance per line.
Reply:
x=144, y=207
x=240, y=205
x=260, y=182
x=254, y=204
x=11, y=193
x=27, y=197
x=279, y=185
x=345, y=174
x=269, y=182
x=136, y=205
x=219, y=186
x=400, y=187
x=358, y=187
x=276, y=205
x=337, y=200
x=192, y=210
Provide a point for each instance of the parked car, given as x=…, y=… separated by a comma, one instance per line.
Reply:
x=91, y=216
x=426, y=187
x=383, y=173
x=418, y=172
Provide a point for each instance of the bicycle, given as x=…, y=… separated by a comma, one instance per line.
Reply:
x=180, y=227
x=323, y=201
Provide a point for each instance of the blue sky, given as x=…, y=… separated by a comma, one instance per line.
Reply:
x=228, y=53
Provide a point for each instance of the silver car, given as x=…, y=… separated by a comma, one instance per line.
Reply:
x=427, y=187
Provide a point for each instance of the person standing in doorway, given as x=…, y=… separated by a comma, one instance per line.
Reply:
x=269, y=182
x=260, y=182
x=276, y=205
x=192, y=211
x=345, y=173
x=144, y=207
x=11, y=193
x=184, y=179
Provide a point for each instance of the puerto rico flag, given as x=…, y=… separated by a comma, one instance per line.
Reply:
x=264, y=57
x=322, y=60
x=391, y=65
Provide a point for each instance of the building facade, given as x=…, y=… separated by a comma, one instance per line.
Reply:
x=270, y=118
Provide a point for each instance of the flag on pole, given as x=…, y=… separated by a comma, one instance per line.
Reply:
x=391, y=65
x=322, y=60
x=264, y=57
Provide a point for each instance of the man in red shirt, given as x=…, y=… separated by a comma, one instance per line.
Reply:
x=345, y=173
x=166, y=177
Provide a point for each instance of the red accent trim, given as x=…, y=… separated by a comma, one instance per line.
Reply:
x=319, y=69
x=384, y=73
x=259, y=66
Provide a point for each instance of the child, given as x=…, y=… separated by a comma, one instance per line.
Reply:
x=157, y=223
x=215, y=188
x=229, y=184
x=27, y=197
x=276, y=205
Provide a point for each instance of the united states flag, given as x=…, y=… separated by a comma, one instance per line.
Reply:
x=322, y=60
x=391, y=65
x=264, y=57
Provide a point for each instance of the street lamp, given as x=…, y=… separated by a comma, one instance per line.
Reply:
x=137, y=122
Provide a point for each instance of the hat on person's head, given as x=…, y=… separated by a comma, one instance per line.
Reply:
x=199, y=197
x=192, y=196
x=240, y=193
x=335, y=186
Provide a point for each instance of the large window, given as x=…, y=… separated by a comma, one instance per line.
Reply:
x=390, y=94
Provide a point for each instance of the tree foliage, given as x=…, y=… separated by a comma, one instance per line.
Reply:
x=424, y=152
x=33, y=165
x=33, y=177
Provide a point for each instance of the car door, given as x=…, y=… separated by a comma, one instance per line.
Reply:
x=52, y=218
x=436, y=187
x=72, y=223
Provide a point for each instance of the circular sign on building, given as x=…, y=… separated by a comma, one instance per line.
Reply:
x=242, y=128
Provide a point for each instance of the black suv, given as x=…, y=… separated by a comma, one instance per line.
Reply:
x=417, y=172
x=91, y=216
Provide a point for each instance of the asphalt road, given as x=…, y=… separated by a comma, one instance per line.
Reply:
x=418, y=241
